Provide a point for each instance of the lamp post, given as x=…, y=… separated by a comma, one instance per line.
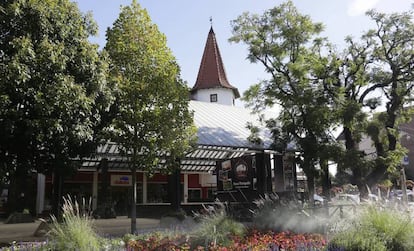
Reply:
x=403, y=185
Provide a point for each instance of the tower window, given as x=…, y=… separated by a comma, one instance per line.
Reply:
x=213, y=97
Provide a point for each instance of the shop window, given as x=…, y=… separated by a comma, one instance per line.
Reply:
x=78, y=191
x=194, y=195
x=213, y=98
x=157, y=192
x=139, y=192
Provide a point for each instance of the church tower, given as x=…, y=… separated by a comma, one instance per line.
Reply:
x=212, y=84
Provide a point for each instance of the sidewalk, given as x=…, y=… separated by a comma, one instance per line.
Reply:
x=104, y=227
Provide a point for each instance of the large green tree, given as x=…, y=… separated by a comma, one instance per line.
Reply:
x=377, y=69
x=52, y=89
x=287, y=44
x=393, y=39
x=356, y=99
x=153, y=125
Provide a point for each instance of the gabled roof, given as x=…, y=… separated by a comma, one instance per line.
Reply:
x=211, y=73
x=222, y=134
x=222, y=125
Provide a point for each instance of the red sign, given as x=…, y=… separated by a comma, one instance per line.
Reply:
x=121, y=180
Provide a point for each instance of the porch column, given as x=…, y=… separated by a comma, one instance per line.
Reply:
x=95, y=190
x=279, y=179
x=40, y=197
x=144, y=188
x=261, y=173
x=185, y=187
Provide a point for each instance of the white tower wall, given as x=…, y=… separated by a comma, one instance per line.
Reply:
x=224, y=96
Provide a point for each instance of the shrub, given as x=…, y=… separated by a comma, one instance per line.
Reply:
x=377, y=229
x=113, y=244
x=269, y=240
x=75, y=232
x=165, y=240
x=216, y=227
x=286, y=214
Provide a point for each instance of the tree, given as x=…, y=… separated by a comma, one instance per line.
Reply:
x=357, y=94
x=153, y=125
x=379, y=65
x=286, y=43
x=393, y=55
x=52, y=89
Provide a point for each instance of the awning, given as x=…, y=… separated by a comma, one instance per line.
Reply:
x=203, y=159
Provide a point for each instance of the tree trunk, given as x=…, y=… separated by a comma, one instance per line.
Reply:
x=380, y=171
x=57, y=193
x=326, y=182
x=357, y=176
x=349, y=139
x=175, y=190
x=106, y=207
x=104, y=193
x=310, y=175
x=134, y=201
x=15, y=191
x=360, y=182
x=311, y=186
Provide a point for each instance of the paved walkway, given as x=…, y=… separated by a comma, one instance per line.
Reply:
x=105, y=227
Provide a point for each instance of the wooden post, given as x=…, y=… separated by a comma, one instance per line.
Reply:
x=404, y=186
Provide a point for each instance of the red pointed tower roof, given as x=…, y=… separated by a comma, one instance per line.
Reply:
x=211, y=73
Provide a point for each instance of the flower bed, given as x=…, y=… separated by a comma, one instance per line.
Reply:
x=253, y=240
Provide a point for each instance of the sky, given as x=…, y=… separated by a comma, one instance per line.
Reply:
x=186, y=24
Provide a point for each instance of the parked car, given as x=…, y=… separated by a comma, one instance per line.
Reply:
x=398, y=193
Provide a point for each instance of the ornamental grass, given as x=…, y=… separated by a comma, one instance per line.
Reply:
x=75, y=231
x=376, y=228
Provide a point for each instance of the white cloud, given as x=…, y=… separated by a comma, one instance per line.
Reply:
x=359, y=7
x=386, y=6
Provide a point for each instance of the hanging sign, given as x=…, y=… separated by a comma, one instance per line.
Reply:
x=235, y=173
x=405, y=161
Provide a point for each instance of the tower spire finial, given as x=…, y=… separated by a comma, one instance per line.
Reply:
x=211, y=21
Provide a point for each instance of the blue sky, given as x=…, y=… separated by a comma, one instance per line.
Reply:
x=186, y=24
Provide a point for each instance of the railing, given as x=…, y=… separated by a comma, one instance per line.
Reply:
x=330, y=210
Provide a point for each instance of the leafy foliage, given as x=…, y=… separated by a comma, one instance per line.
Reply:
x=286, y=214
x=53, y=86
x=152, y=124
x=373, y=69
x=152, y=116
x=76, y=231
x=301, y=80
x=216, y=227
x=318, y=88
x=52, y=77
x=377, y=229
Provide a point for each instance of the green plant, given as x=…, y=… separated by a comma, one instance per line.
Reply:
x=284, y=214
x=216, y=227
x=158, y=240
x=377, y=229
x=113, y=244
x=75, y=232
